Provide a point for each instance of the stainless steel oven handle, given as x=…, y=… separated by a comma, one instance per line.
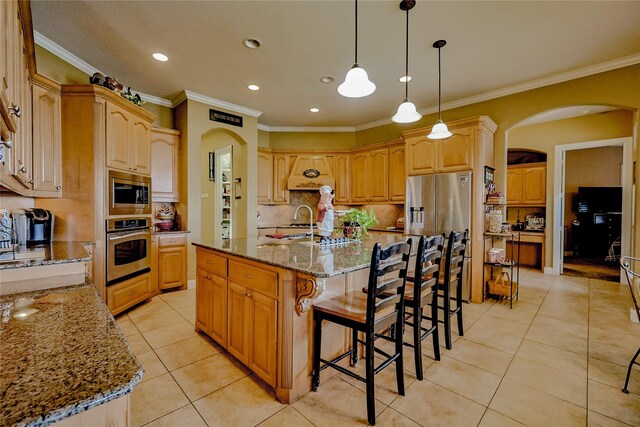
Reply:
x=124, y=236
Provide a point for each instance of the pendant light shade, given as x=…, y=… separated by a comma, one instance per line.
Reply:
x=356, y=84
x=439, y=130
x=406, y=111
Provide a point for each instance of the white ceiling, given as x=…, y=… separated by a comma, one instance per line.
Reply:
x=490, y=46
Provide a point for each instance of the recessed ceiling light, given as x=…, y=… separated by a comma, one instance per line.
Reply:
x=251, y=43
x=327, y=79
x=314, y=109
x=253, y=87
x=404, y=79
x=160, y=57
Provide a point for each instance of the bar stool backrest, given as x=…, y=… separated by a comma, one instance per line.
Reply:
x=633, y=279
x=388, y=272
x=454, y=259
x=427, y=271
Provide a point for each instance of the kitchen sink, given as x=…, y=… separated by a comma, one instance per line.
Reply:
x=22, y=256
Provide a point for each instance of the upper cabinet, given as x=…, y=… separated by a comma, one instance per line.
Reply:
x=47, y=137
x=280, y=177
x=526, y=184
x=127, y=141
x=370, y=176
x=165, y=159
x=454, y=154
x=342, y=174
x=265, y=177
x=397, y=173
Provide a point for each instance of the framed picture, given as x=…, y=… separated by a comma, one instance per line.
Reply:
x=488, y=175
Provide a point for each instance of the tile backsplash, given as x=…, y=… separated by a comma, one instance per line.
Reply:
x=283, y=214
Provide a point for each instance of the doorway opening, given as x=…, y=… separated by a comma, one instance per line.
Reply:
x=593, y=212
x=224, y=174
x=593, y=185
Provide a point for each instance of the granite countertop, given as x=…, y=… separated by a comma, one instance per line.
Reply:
x=162, y=232
x=53, y=253
x=67, y=357
x=388, y=229
x=297, y=226
x=300, y=256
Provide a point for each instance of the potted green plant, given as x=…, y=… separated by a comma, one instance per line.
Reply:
x=356, y=223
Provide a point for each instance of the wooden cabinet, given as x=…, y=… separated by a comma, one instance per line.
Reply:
x=165, y=160
x=265, y=178
x=238, y=324
x=47, y=137
x=370, y=176
x=397, y=174
x=527, y=184
x=280, y=177
x=128, y=141
x=211, y=305
x=172, y=262
x=124, y=295
x=454, y=154
x=342, y=175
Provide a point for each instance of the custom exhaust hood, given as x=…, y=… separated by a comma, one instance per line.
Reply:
x=310, y=172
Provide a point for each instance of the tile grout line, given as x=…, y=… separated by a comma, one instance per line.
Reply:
x=588, y=345
x=514, y=356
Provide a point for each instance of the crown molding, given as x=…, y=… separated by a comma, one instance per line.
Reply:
x=602, y=67
x=193, y=96
x=327, y=129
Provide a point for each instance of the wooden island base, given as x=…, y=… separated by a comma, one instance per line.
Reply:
x=261, y=314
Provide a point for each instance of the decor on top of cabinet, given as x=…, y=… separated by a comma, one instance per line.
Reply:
x=113, y=84
x=165, y=216
x=356, y=223
x=495, y=198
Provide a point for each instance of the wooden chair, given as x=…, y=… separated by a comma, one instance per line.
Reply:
x=633, y=279
x=453, y=269
x=370, y=313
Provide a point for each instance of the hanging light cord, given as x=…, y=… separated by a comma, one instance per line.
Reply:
x=439, y=85
x=406, y=60
x=356, y=31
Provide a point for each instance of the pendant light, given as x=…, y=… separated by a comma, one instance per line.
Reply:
x=356, y=84
x=439, y=130
x=406, y=111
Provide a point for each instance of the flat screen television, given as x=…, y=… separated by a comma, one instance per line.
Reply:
x=599, y=199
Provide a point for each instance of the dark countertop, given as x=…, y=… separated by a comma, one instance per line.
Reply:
x=298, y=256
x=387, y=229
x=54, y=253
x=65, y=358
x=161, y=232
x=288, y=226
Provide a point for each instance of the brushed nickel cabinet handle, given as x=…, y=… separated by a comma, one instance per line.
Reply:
x=14, y=110
x=132, y=292
x=248, y=276
x=7, y=143
x=23, y=169
x=209, y=262
x=58, y=187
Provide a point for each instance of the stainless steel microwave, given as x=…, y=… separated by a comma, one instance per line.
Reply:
x=129, y=194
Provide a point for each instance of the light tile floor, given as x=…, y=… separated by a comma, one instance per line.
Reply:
x=557, y=359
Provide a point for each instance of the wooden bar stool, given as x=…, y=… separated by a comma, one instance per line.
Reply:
x=453, y=269
x=633, y=279
x=370, y=313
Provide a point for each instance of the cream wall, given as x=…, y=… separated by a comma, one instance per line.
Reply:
x=312, y=140
x=545, y=136
x=192, y=118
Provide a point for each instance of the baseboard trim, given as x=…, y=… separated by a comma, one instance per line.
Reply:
x=191, y=284
x=551, y=270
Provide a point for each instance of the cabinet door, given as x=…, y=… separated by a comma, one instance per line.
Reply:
x=204, y=300
x=280, y=177
x=47, y=140
x=534, y=186
x=128, y=293
x=172, y=267
x=263, y=352
x=359, y=178
x=397, y=174
x=22, y=143
x=265, y=174
x=164, y=167
x=238, y=322
x=514, y=186
x=140, y=147
x=379, y=175
x=218, y=326
x=117, y=138
x=422, y=156
x=456, y=153
x=341, y=172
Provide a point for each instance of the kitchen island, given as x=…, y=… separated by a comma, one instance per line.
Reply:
x=254, y=295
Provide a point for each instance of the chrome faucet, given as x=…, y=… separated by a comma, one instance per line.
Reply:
x=295, y=216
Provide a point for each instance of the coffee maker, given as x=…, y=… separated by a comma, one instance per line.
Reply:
x=33, y=226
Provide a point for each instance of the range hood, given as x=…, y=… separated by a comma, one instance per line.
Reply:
x=310, y=172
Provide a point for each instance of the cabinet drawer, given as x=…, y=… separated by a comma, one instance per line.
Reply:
x=211, y=262
x=128, y=293
x=255, y=278
x=172, y=240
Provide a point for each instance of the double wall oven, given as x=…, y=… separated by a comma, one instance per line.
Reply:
x=128, y=248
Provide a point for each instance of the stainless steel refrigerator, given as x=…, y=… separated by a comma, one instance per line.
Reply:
x=440, y=203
